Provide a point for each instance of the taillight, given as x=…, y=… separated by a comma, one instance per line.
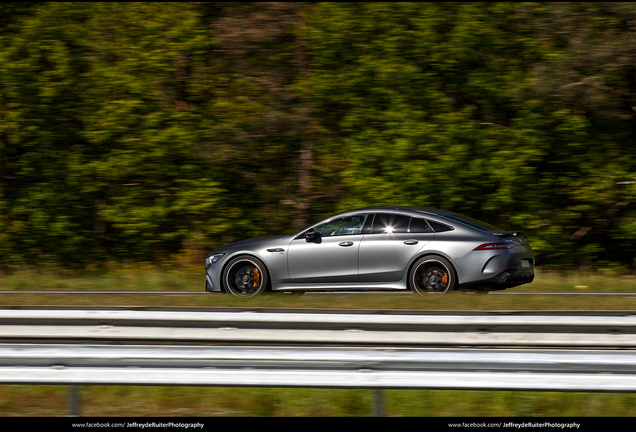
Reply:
x=490, y=246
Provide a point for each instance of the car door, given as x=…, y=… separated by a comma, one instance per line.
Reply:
x=332, y=257
x=392, y=242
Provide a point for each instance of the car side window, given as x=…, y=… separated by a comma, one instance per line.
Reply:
x=419, y=226
x=438, y=227
x=348, y=225
x=386, y=223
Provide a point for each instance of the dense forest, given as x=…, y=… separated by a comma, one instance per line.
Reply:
x=133, y=132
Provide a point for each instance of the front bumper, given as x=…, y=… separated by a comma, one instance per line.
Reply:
x=213, y=276
x=209, y=286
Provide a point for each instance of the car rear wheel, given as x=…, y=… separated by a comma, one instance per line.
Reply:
x=432, y=275
x=245, y=276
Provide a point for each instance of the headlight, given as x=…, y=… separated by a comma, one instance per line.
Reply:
x=214, y=258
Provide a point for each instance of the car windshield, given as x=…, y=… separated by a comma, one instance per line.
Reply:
x=482, y=226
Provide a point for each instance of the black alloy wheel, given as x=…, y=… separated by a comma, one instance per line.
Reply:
x=245, y=276
x=432, y=275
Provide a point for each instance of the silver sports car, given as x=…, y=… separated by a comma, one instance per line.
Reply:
x=381, y=248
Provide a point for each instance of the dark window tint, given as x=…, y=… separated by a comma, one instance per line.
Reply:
x=366, y=229
x=390, y=223
x=348, y=225
x=419, y=226
x=438, y=227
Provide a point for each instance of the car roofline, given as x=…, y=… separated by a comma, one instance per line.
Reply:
x=397, y=209
x=413, y=211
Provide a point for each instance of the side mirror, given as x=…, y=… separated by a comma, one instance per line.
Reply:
x=311, y=235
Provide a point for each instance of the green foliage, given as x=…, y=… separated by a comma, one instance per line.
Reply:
x=135, y=131
x=98, y=136
x=125, y=401
x=441, y=105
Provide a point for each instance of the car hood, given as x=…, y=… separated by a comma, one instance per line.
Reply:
x=255, y=241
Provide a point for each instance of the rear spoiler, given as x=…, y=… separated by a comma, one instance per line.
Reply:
x=509, y=234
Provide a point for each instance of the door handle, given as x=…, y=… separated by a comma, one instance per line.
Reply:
x=344, y=244
x=410, y=242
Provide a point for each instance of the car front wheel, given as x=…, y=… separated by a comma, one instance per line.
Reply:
x=245, y=276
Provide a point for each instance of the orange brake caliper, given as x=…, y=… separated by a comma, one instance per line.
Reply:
x=257, y=277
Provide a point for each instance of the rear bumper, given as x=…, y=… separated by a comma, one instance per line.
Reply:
x=507, y=279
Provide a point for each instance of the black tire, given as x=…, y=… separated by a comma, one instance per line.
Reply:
x=432, y=275
x=245, y=276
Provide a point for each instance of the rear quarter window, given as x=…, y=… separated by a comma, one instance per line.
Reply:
x=419, y=226
x=439, y=227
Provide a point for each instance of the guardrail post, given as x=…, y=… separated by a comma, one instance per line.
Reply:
x=378, y=402
x=73, y=401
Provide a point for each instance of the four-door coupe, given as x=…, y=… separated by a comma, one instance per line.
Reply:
x=381, y=248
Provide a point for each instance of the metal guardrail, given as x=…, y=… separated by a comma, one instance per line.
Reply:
x=320, y=367
x=373, y=368
x=331, y=350
x=320, y=328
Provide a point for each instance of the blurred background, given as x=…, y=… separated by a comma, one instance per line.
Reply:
x=154, y=132
x=144, y=135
